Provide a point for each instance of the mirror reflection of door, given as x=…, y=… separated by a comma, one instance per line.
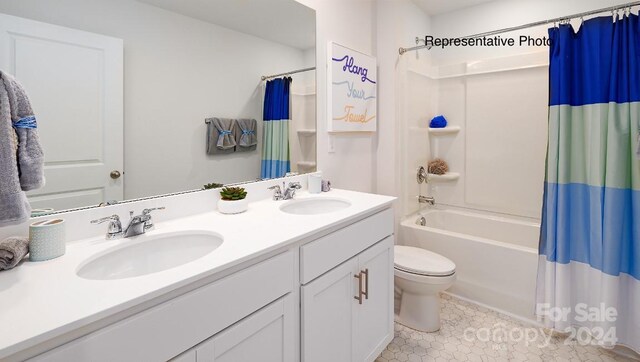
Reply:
x=75, y=83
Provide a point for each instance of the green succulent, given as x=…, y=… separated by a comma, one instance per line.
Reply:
x=233, y=193
x=212, y=185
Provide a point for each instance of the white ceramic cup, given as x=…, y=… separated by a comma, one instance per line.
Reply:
x=315, y=183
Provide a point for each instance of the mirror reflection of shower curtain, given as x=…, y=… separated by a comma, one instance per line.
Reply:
x=275, y=143
x=590, y=234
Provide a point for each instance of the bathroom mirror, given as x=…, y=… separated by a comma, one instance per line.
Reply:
x=129, y=94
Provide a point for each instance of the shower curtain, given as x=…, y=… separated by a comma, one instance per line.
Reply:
x=590, y=233
x=275, y=145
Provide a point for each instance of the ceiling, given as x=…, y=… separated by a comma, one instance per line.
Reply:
x=283, y=21
x=436, y=7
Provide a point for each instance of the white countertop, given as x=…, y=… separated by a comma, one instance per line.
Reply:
x=41, y=301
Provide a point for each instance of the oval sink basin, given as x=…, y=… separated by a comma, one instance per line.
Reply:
x=149, y=254
x=314, y=206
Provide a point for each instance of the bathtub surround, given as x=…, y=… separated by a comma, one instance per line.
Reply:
x=12, y=251
x=590, y=236
x=20, y=170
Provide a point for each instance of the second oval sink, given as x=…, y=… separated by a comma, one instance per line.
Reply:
x=149, y=255
x=314, y=206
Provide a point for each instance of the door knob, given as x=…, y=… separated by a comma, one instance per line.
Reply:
x=115, y=174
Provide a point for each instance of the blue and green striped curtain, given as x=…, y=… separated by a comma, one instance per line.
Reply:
x=590, y=232
x=275, y=145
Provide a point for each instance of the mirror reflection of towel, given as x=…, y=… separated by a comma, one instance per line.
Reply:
x=221, y=135
x=247, y=134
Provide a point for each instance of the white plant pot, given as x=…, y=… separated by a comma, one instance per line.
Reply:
x=232, y=207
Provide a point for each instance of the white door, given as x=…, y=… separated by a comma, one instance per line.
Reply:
x=375, y=316
x=328, y=315
x=265, y=336
x=75, y=82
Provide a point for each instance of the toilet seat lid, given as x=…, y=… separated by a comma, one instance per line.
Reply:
x=421, y=261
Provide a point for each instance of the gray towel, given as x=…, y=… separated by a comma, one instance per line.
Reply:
x=12, y=251
x=220, y=135
x=247, y=134
x=30, y=155
x=22, y=169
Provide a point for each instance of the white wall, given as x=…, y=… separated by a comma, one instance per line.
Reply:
x=349, y=23
x=504, y=14
x=398, y=24
x=178, y=71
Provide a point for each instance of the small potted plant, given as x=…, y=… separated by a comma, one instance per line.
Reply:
x=213, y=185
x=233, y=200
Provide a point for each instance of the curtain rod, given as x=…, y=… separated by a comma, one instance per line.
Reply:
x=265, y=77
x=531, y=25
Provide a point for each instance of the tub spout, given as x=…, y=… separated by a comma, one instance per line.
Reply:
x=426, y=200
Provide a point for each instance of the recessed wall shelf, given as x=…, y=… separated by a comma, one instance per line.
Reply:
x=306, y=132
x=447, y=177
x=306, y=164
x=444, y=131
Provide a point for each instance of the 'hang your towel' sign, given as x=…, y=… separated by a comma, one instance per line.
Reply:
x=353, y=88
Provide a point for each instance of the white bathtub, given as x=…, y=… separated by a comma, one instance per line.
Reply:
x=496, y=257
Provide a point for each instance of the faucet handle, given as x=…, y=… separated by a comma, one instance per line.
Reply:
x=148, y=223
x=295, y=185
x=115, y=226
x=105, y=219
x=277, y=192
x=148, y=211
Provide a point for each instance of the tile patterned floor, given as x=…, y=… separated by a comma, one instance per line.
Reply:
x=464, y=337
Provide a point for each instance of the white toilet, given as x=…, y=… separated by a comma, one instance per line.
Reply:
x=421, y=275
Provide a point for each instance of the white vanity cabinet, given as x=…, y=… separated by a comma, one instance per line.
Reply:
x=327, y=299
x=231, y=310
x=347, y=311
x=266, y=336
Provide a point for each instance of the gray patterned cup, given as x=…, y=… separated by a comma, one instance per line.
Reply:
x=47, y=239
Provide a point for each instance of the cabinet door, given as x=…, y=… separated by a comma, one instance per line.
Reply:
x=374, y=329
x=266, y=336
x=328, y=314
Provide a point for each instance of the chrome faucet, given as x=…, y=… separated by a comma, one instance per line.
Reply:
x=426, y=200
x=289, y=192
x=138, y=224
x=114, y=230
x=277, y=192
